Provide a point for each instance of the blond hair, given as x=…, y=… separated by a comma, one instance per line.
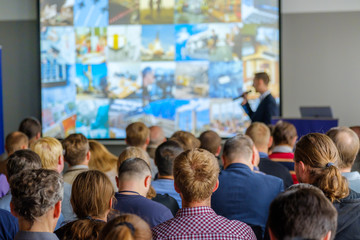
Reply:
x=186, y=139
x=196, y=172
x=100, y=158
x=259, y=133
x=49, y=149
x=126, y=227
x=318, y=151
x=91, y=193
x=137, y=134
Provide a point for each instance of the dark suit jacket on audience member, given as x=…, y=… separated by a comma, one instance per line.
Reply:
x=276, y=169
x=265, y=111
x=245, y=195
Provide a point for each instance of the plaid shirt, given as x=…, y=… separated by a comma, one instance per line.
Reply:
x=202, y=223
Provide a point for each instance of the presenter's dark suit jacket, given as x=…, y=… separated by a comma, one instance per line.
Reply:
x=245, y=195
x=265, y=111
x=276, y=169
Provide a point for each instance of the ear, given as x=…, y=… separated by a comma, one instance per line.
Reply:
x=216, y=185
x=13, y=211
x=7, y=150
x=327, y=236
x=38, y=135
x=117, y=181
x=88, y=155
x=272, y=236
x=293, y=142
x=176, y=188
x=147, y=141
x=224, y=162
x=24, y=147
x=271, y=139
x=218, y=151
x=57, y=209
x=111, y=203
x=147, y=181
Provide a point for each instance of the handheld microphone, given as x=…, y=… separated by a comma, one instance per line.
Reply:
x=242, y=95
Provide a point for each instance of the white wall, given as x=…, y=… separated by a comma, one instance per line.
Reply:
x=315, y=6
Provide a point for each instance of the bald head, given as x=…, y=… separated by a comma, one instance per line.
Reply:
x=347, y=143
x=16, y=141
x=157, y=135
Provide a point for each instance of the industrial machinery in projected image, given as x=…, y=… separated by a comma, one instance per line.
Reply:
x=173, y=63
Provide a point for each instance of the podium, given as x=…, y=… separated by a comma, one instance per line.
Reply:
x=309, y=125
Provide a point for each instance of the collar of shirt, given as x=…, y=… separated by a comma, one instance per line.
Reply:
x=78, y=167
x=263, y=155
x=351, y=175
x=264, y=95
x=184, y=212
x=282, y=149
x=238, y=165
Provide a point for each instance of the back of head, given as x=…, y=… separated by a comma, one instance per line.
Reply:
x=76, y=147
x=284, y=133
x=196, y=172
x=31, y=127
x=318, y=152
x=22, y=160
x=302, y=212
x=34, y=192
x=137, y=134
x=264, y=76
x=133, y=152
x=259, y=133
x=16, y=141
x=100, y=158
x=186, y=139
x=84, y=229
x=126, y=227
x=211, y=141
x=157, y=135
x=238, y=148
x=91, y=194
x=133, y=169
x=347, y=143
x=165, y=155
x=49, y=149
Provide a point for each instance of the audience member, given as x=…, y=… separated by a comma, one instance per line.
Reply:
x=138, y=135
x=17, y=162
x=187, y=140
x=164, y=159
x=36, y=203
x=126, y=227
x=347, y=143
x=211, y=141
x=91, y=198
x=356, y=165
x=16, y=141
x=196, y=178
x=313, y=217
x=77, y=155
x=32, y=129
x=51, y=154
x=134, y=179
x=103, y=160
x=315, y=156
x=260, y=134
x=9, y=225
x=4, y=185
x=244, y=194
x=157, y=137
x=285, y=136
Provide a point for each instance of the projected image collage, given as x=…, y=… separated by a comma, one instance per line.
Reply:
x=173, y=63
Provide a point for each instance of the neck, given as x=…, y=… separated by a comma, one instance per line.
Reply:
x=41, y=225
x=130, y=188
x=165, y=177
x=205, y=203
x=262, y=91
x=345, y=169
x=242, y=162
x=263, y=149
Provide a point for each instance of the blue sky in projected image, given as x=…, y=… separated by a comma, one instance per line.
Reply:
x=91, y=13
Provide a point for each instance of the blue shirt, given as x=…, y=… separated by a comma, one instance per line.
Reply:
x=163, y=186
x=24, y=235
x=245, y=195
x=66, y=208
x=353, y=179
x=9, y=225
x=152, y=212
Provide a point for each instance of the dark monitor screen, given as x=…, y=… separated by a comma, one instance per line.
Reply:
x=316, y=112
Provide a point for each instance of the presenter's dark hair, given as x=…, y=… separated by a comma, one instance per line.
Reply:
x=30, y=126
x=302, y=212
x=264, y=76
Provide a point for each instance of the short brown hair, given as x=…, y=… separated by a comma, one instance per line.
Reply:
x=239, y=146
x=210, y=141
x=347, y=143
x=15, y=140
x=319, y=152
x=186, y=139
x=196, y=172
x=127, y=226
x=76, y=147
x=259, y=133
x=284, y=133
x=302, y=212
x=91, y=193
x=49, y=149
x=264, y=76
x=136, y=134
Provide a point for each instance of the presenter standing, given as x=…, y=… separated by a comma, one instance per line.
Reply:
x=267, y=107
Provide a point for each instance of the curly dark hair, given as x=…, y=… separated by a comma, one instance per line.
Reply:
x=35, y=191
